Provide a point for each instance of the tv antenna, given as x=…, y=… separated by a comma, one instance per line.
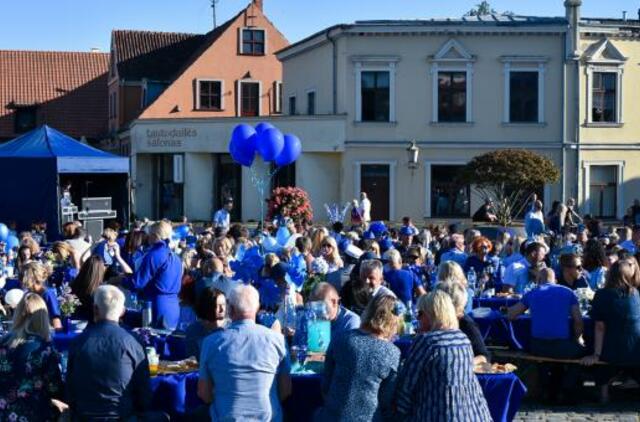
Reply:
x=213, y=8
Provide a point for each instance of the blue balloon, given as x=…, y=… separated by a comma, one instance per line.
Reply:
x=270, y=244
x=182, y=231
x=282, y=235
x=269, y=144
x=261, y=127
x=290, y=152
x=4, y=232
x=243, y=144
x=12, y=242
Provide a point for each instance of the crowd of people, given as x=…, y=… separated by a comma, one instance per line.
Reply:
x=236, y=292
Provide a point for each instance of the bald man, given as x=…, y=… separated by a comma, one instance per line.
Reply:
x=341, y=318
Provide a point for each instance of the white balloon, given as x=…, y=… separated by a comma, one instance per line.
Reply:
x=13, y=297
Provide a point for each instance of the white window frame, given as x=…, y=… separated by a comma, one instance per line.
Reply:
x=524, y=64
x=590, y=70
x=392, y=182
x=239, y=83
x=198, y=80
x=441, y=63
x=277, y=92
x=596, y=61
x=375, y=64
x=315, y=99
x=251, y=28
x=586, y=186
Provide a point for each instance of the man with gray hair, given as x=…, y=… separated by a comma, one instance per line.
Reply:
x=371, y=276
x=244, y=369
x=108, y=371
x=402, y=282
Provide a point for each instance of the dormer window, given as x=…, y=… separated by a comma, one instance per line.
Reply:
x=252, y=42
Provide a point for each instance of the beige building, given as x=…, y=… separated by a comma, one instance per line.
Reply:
x=607, y=129
x=458, y=88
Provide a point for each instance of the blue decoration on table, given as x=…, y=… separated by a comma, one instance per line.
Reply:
x=11, y=242
x=270, y=244
x=248, y=268
x=298, y=269
x=344, y=244
x=270, y=294
x=290, y=151
x=4, y=232
x=378, y=228
x=368, y=235
x=270, y=144
x=282, y=235
x=182, y=231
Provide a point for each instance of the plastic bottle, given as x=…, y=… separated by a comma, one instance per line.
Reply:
x=408, y=319
x=147, y=314
x=472, y=279
x=602, y=279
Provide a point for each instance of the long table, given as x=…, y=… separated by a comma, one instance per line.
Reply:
x=176, y=394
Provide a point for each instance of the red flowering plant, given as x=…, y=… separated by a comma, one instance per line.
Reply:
x=289, y=202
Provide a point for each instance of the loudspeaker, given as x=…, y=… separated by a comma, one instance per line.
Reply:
x=94, y=228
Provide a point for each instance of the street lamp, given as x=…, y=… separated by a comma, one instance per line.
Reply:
x=413, y=152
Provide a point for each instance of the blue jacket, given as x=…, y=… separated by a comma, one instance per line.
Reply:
x=159, y=278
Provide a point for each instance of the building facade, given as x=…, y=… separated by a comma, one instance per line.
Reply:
x=185, y=111
x=607, y=126
x=458, y=88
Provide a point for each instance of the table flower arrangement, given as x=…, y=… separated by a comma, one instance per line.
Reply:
x=290, y=202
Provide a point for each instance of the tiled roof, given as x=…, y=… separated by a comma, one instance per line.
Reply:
x=153, y=55
x=160, y=56
x=69, y=88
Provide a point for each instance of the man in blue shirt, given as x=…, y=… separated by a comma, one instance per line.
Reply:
x=222, y=217
x=402, y=282
x=160, y=277
x=456, y=252
x=108, y=371
x=341, y=318
x=551, y=307
x=244, y=369
x=521, y=273
x=571, y=273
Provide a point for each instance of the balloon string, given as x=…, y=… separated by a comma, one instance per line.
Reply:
x=260, y=181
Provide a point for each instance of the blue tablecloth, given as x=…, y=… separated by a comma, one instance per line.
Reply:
x=169, y=347
x=494, y=302
x=497, y=329
x=176, y=395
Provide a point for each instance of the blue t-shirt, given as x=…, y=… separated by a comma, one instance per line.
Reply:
x=402, y=283
x=50, y=297
x=550, y=306
x=620, y=313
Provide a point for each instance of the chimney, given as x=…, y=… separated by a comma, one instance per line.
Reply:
x=572, y=10
x=624, y=15
x=258, y=4
x=95, y=50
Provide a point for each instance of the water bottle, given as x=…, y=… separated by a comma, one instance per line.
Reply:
x=472, y=279
x=133, y=301
x=147, y=315
x=408, y=319
x=602, y=279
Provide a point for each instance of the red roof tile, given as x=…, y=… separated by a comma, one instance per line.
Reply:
x=69, y=88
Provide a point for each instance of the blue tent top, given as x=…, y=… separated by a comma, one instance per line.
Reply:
x=71, y=156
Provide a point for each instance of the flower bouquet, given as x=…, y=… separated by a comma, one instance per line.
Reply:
x=289, y=202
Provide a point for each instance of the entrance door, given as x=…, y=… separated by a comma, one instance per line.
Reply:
x=249, y=99
x=228, y=185
x=603, y=189
x=168, y=195
x=375, y=182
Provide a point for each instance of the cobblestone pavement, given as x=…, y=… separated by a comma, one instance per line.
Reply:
x=626, y=413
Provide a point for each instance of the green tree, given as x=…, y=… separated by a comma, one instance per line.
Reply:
x=509, y=177
x=482, y=8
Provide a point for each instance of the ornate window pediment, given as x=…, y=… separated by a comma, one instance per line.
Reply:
x=604, y=52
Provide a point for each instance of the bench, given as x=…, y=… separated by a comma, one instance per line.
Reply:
x=504, y=354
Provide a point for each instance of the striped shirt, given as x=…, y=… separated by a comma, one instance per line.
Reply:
x=437, y=382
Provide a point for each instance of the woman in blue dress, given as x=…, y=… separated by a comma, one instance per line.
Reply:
x=437, y=382
x=159, y=277
x=29, y=366
x=34, y=279
x=361, y=367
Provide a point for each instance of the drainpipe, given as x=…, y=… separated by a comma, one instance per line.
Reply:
x=335, y=70
x=563, y=181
